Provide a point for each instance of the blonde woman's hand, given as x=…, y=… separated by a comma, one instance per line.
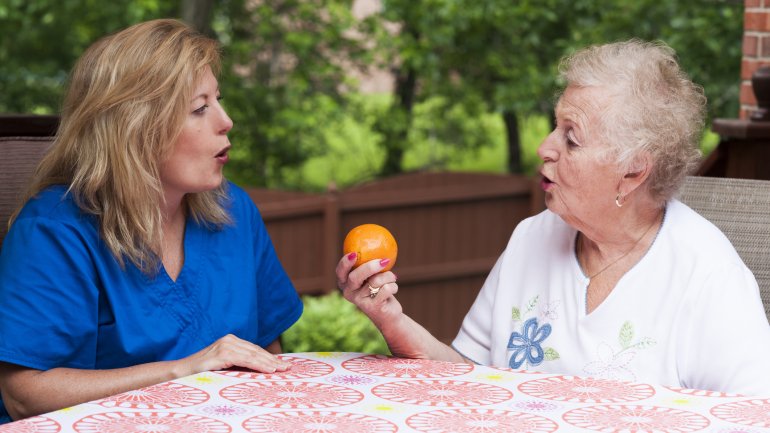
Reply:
x=231, y=351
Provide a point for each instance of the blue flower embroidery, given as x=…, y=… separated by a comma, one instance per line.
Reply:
x=526, y=346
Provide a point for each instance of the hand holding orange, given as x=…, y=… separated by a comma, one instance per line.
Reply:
x=370, y=242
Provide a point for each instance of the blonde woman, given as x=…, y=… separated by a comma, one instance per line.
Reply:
x=617, y=278
x=134, y=261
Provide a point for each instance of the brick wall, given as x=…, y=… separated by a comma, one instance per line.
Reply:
x=756, y=49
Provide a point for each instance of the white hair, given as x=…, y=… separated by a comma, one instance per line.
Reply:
x=654, y=108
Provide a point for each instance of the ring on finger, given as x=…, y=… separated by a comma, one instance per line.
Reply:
x=373, y=291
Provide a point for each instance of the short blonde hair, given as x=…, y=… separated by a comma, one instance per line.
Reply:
x=127, y=100
x=654, y=107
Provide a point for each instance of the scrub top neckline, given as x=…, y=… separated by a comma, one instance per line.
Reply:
x=190, y=246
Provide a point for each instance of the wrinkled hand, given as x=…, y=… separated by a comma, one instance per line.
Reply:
x=355, y=288
x=231, y=351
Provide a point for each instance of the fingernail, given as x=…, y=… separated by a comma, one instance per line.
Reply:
x=384, y=262
x=352, y=256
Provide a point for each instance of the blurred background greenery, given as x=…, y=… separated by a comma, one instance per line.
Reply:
x=470, y=85
x=470, y=82
x=332, y=324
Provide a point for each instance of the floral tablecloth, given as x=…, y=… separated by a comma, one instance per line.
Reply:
x=358, y=393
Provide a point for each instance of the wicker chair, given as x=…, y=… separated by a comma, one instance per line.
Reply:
x=741, y=209
x=20, y=157
x=24, y=139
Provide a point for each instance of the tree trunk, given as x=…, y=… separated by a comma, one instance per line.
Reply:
x=512, y=138
x=401, y=116
x=197, y=13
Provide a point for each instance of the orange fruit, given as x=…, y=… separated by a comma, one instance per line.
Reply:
x=370, y=242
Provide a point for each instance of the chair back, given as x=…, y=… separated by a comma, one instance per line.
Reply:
x=741, y=209
x=20, y=157
x=24, y=139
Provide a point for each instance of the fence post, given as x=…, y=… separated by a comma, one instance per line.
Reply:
x=332, y=249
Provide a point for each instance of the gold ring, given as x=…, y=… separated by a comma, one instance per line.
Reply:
x=373, y=291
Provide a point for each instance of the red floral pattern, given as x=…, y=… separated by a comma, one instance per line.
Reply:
x=586, y=390
x=754, y=413
x=351, y=380
x=37, y=424
x=354, y=392
x=379, y=365
x=635, y=419
x=149, y=422
x=167, y=395
x=480, y=421
x=291, y=395
x=700, y=392
x=448, y=393
x=317, y=422
x=225, y=410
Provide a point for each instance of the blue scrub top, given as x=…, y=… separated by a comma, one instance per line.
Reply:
x=66, y=302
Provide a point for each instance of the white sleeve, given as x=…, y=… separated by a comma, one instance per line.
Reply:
x=725, y=340
x=474, y=340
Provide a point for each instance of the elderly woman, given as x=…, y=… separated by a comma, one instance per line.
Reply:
x=616, y=279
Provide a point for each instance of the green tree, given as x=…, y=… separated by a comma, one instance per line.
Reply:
x=286, y=75
x=500, y=56
x=707, y=37
x=198, y=13
x=503, y=53
x=287, y=64
x=41, y=39
x=285, y=71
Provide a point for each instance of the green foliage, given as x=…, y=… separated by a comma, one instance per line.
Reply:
x=40, y=41
x=285, y=70
x=505, y=54
x=707, y=37
x=332, y=324
x=437, y=126
x=354, y=154
x=299, y=123
x=283, y=78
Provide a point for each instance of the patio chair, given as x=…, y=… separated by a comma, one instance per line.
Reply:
x=741, y=209
x=20, y=157
x=24, y=139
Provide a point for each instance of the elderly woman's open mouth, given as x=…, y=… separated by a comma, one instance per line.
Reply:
x=546, y=183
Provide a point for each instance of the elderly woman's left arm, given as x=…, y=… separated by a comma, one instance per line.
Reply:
x=405, y=337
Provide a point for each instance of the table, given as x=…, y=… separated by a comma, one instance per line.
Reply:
x=358, y=393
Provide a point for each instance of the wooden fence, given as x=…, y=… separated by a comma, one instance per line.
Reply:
x=450, y=229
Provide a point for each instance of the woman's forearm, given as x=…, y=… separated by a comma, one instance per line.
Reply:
x=408, y=339
x=27, y=392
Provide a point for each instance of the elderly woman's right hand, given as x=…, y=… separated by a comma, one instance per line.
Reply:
x=358, y=284
x=405, y=337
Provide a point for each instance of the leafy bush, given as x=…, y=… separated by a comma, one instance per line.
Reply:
x=332, y=324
